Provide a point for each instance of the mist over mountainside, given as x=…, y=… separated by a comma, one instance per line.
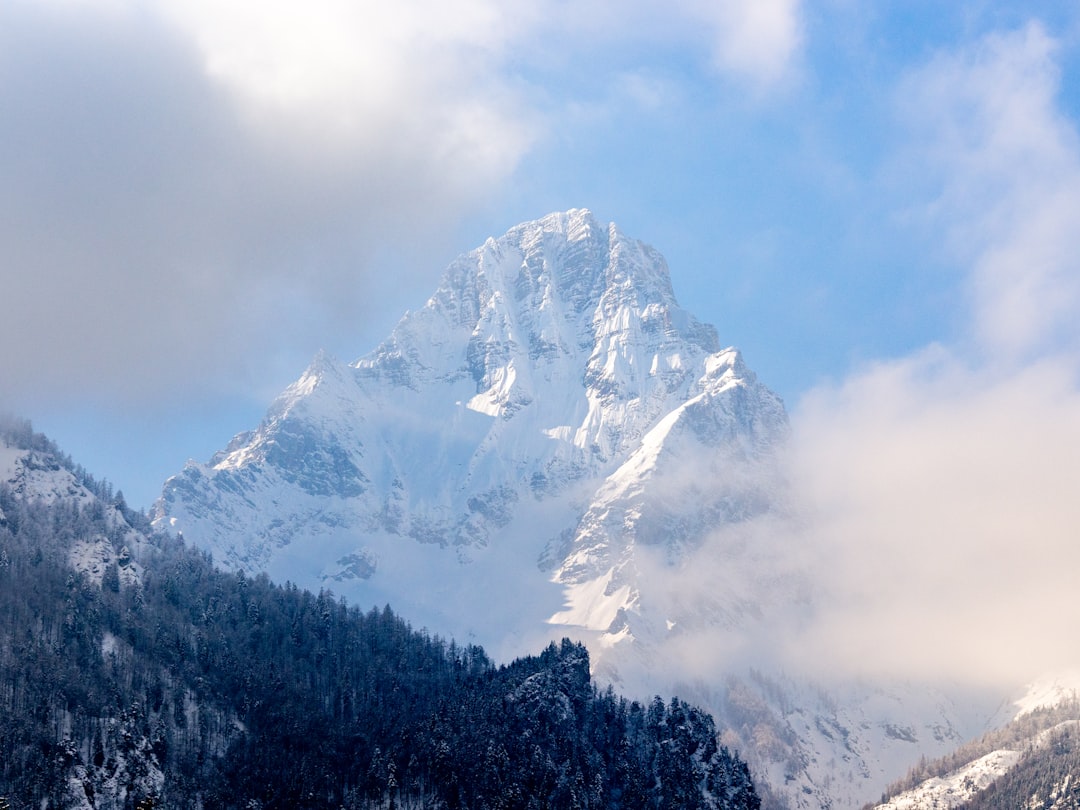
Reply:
x=546, y=422
x=552, y=445
x=133, y=674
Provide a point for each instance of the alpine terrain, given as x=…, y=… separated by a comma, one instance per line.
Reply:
x=134, y=674
x=551, y=445
x=1032, y=762
x=510, y=456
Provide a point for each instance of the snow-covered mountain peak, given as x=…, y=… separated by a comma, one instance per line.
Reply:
x=542, y=298
x=534, y=373
x=502, y=466
x=312, y=414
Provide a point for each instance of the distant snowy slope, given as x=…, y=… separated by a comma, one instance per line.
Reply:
x=1031, y=762
x=34, y=471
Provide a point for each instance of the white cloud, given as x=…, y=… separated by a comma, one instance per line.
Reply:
x=363, y=73
x=941, y=487
x=1008, y=164
x=754, y=39
x=942, y=500
x=190, y=189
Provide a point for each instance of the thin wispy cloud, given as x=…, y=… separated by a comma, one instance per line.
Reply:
x=989, y=133
x=756, y=41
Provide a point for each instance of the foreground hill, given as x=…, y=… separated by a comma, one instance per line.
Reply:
x=135, y=674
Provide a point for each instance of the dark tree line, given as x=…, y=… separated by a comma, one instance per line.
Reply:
x=188, y=687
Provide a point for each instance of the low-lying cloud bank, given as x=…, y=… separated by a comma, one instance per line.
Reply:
x=942, y=486
x=929, y=533
x=933, y=515
x=943, y=503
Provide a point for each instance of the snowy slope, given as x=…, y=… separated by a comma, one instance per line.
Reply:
x=1044, y=723
x=957, y=787
x=1053, y=689
x=38, y=475
x=34, y=472
x=960, y=786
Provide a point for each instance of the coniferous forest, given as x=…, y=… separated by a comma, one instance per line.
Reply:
x=167, y=683
x=1044, y=779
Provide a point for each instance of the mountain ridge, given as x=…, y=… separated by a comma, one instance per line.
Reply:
x=551, y=366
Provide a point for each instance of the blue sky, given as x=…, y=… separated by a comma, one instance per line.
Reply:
x=198, y=196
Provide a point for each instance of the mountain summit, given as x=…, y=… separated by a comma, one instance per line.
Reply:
x=493, y=466
x=553, y=446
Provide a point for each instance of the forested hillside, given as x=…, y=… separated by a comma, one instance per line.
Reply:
x=1045, y=778
x=135, y=674
x=1032, y=763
